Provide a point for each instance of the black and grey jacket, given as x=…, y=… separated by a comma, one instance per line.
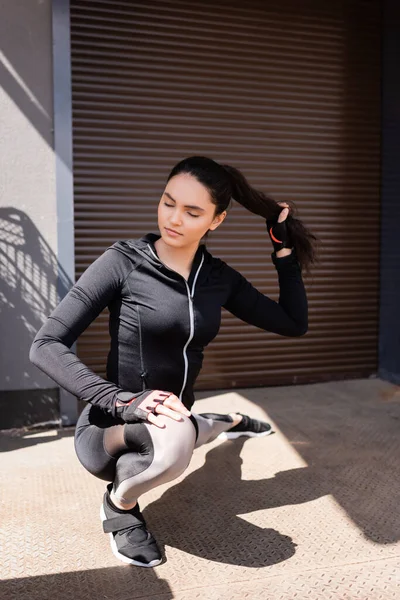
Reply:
x=159, y=323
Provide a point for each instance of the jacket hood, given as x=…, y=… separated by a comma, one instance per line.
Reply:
x=145, y=247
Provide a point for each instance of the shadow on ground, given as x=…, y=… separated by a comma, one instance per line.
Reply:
x=200, y=515
x=348, y=434
x=117, y=583
x=14, y=439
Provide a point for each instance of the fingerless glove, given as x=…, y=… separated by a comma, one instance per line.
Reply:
x=279, y=234
x=132, y=408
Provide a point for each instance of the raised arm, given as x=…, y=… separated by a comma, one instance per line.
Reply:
x=50, y=350
x=288, y=317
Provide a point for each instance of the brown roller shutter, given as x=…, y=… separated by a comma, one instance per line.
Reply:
x=288, y=92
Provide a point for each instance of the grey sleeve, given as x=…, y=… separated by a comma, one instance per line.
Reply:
x=50, y=350
x=288, y=317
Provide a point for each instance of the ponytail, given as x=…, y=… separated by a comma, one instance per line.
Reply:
x=225, y=182
x=304, y=241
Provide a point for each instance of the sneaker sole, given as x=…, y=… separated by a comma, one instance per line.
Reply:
x=225, y=435
x=125, y=559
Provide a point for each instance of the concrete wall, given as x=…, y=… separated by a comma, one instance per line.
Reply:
x=28, y=208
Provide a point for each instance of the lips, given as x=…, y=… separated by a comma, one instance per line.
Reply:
x=173, y=230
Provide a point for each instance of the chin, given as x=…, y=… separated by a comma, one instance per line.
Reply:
x=170, y=240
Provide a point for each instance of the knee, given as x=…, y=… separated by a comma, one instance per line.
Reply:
x=173, y=469
x=178, y=446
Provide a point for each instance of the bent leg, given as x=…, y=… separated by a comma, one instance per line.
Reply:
x=164, y=455
x=91, y=428
x=137, y=456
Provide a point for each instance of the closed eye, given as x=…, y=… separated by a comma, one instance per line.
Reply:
x=189, y=213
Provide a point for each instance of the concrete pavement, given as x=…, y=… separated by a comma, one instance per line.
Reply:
x=311, y=512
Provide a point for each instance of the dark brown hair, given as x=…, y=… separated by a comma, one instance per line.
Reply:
x=224, y=182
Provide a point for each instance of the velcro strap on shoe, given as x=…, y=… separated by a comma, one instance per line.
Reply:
x=121, y=522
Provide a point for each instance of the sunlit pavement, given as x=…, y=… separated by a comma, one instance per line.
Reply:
x=309, y=512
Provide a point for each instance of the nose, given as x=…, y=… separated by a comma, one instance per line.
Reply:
x=175, y=218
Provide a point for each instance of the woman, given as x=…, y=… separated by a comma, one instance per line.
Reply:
x=164, y=294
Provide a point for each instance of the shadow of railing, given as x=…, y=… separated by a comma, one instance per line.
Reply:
x=31, y=284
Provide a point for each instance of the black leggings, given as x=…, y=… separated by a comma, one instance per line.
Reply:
x=137, y=457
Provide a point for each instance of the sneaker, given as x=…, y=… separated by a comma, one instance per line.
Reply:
x=248, y=427
x=129, y=538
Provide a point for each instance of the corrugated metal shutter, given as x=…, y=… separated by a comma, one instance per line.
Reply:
x=287, y=91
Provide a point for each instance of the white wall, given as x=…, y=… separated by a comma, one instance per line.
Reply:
x=28, y=209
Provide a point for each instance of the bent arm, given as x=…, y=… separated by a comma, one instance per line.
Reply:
x=288, y=317
x=50, y=350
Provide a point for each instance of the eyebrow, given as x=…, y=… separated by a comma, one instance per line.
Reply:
x=186, y=205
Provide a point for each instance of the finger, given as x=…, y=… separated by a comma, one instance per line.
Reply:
x=284, y=213
x=174, y=403
x=164, y=395
x=178, y=407
x=155, y=421
x=168, y=412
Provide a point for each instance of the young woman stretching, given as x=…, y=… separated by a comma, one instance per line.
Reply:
x=164, y=294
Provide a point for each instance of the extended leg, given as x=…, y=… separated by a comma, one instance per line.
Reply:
x=211, y=425
x=231, y=426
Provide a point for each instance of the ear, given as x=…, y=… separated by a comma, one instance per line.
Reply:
x=218, y=220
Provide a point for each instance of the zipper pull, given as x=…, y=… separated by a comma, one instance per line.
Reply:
x=143, y=376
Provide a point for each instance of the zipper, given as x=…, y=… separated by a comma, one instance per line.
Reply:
x=191, y=314
x=143, y=373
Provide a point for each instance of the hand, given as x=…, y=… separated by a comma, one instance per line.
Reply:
x=284, y=213
x=144, y=406
x=171, y=407
x=278, y=231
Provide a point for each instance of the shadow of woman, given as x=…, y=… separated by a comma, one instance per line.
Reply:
x=201, y=514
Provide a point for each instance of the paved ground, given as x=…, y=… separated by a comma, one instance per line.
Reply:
x=310, y=512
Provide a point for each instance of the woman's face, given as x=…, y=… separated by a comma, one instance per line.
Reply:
x=186, y=207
